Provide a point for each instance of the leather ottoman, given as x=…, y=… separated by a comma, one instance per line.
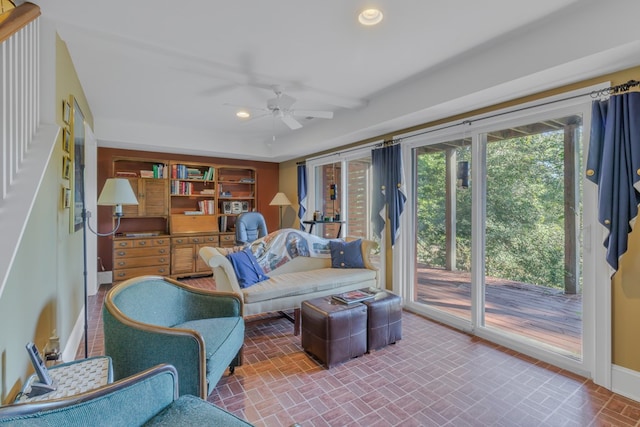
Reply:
x=333, y=332
x=384, y=324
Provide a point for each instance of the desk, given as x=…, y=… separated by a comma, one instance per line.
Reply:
x=72, y=378
x=312, y=223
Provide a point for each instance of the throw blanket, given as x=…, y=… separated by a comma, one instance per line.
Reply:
x=280, y=247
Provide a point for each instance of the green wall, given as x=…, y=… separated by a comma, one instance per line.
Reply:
x=44, y=290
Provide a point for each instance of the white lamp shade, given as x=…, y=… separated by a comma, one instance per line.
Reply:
x=117, y=191
x=280, y=199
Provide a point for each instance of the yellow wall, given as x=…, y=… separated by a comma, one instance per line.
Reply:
x=626, y=307
x=70, y=276
x=289, y=186
x=44, y=289
x=626, y=283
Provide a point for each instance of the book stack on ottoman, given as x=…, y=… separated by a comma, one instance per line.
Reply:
x=336, y=329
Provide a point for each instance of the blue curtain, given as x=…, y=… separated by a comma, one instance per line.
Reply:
x=388, y=189
x=302, y=193
x=613, y=164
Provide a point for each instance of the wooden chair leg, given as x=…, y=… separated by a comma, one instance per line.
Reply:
x=296, y=322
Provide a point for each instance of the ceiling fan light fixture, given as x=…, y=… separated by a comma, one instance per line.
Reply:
x=243, y=114
x=370, y=17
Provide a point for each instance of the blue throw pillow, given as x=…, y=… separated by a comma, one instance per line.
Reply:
x=346, y=254
x=247, y=269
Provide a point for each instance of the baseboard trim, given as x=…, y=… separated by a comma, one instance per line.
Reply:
x=105, y=277
x=625, y=382
x=75, y=338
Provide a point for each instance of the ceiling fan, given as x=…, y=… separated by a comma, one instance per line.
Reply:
x=280, y=107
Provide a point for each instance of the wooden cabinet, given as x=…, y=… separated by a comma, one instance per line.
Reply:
x=185, y=258
x=140, y=256
x=236, y=194
x=152, y=197
x=185, y=203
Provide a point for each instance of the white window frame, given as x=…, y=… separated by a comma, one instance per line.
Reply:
x=596, y=355
x=314, y=202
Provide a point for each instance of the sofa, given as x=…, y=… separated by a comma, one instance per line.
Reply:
x=149, y=320
x=298, y=266
x=149, y=398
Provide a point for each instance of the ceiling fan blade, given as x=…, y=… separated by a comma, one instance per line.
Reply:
x=253, y=118
x=314, y=113
x=291, y=122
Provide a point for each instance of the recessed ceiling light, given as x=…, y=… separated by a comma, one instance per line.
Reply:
x=243, y=114
x=370, y=17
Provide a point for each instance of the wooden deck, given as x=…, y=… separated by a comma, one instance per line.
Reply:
x=544, y=314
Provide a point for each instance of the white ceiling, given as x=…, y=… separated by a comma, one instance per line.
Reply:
x=159, y=74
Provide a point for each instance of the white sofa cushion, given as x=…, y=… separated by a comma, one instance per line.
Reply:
x=306, y=282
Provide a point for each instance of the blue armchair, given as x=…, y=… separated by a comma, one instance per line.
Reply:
x=150, y=320
x=249, y=227
x=148, y=398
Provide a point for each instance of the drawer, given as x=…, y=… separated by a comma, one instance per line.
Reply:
x=143, y=243
x=227, y=239
x=179, y=240
x=141, y=252
x=128, y=273
x=209, y=240
x=123, y=244
x=140, y=243
x=146, y=261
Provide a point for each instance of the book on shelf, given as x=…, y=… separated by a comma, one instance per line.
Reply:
x=207, y=207
x=126, y=174
x=160, y=170
x=193, y=213
x=208, y=175
x=352, y=297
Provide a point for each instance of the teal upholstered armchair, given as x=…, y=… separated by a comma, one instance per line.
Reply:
x=150, y=320
x=149, y=398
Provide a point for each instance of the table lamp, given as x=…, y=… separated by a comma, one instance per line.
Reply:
x=116, y=192
x=280, y=199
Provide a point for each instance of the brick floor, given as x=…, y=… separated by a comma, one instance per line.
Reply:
x=434, y=376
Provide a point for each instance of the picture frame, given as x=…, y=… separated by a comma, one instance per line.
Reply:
x=66, y=167
x=77, y=174
x=66, y=111
x=66, y=197
x=66, y=140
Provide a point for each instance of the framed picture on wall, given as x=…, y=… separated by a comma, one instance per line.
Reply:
x=77, y=179
x=66, y=111
x=66, y=140
x=66, y=197
x=66, y=167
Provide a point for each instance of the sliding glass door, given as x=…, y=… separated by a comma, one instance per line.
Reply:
x=498, y=244
x=532, y=251
x=443, y=238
